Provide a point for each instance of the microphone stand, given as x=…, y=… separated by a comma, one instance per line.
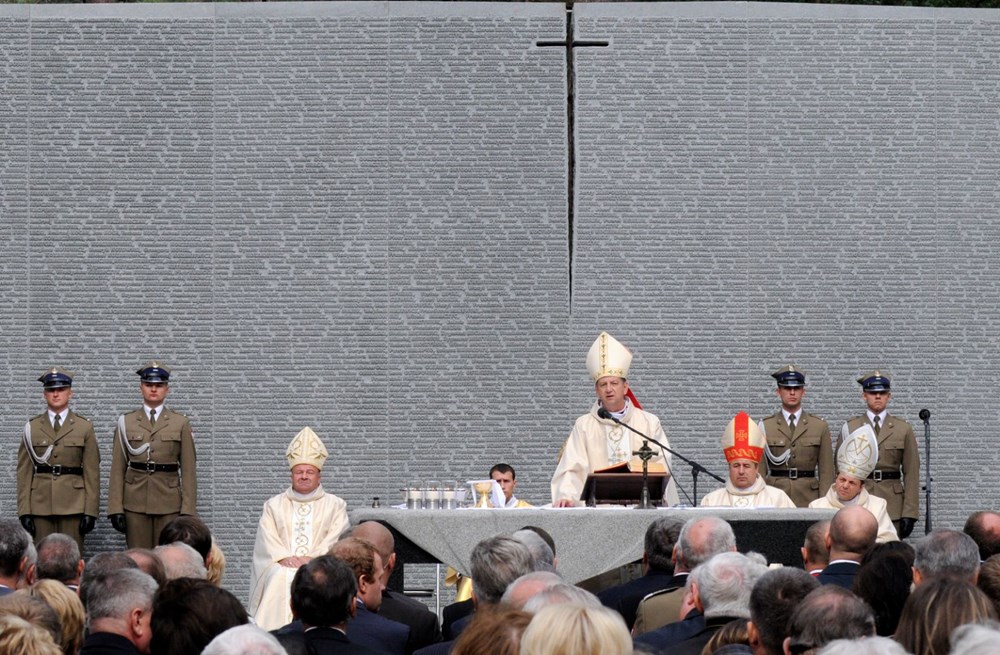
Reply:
x=696, y=468
x=925, y=416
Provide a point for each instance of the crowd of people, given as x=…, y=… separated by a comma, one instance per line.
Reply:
x=698, y=595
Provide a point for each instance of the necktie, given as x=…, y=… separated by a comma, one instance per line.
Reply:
x=877, y=426
x=152, y=417
x=791, y=423
x=57, y=423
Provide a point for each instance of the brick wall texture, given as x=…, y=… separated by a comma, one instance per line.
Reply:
x=353, y=216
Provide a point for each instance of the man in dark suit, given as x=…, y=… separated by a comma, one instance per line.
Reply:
x=58, y=466
x=14, y=561
x=721, y=592
x=657, y=560
x=700, y=540
x=119, y=613
x=367, y=628
x=59, y=559
x=772, y=601
x=896, y=478
x=852, y=532
x=323, y=593
x=826, y=614
x=152, y=464
x=424, y=627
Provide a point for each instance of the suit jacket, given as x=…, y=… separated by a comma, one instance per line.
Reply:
x=423, y=623
x=47, y=494
x=330, y=641
x=171, y=442
x=694, y=644
x=812, y=450
x=106, y=643
x=440, y=648
x=674, y=633
x=625, y=598
x=897, y=451
x=841, y=574
x=377, y=632
x=452, y=613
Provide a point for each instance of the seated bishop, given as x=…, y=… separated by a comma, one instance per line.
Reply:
x=856, y=459
x=297, y=525
x=743, y=444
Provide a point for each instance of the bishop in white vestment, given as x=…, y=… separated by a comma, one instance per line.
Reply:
x=298, y=524
x=743, y=443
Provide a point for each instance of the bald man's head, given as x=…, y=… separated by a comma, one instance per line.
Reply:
x=379, y=536
x=852, y=532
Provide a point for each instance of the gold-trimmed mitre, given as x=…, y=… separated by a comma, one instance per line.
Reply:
x=743, y=439
x=858, y=453
x=306, y=448
x=607, y=356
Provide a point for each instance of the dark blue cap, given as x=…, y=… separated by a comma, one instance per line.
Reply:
x=56, y=378
x=154, y=372
x=874, y=381
x=790, y=376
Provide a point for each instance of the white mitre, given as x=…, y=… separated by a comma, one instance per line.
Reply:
x=858, y=453
x=306, y=448
x=607, y=356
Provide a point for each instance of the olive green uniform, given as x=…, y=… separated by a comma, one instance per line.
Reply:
x=56, y=493
x=153, y=487
x=809, y=471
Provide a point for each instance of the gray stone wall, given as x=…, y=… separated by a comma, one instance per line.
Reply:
x=354, y=216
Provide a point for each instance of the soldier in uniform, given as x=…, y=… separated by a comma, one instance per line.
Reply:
x=152, y=464
x=896, y=478
x=799, y=448
x=58, y=466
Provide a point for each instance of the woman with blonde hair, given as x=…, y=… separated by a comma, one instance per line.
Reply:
x=216, y=564
x=69, y=608
x=570, y=629
x=19, y=636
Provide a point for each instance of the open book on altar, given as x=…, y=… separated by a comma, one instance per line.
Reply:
x=633, y=466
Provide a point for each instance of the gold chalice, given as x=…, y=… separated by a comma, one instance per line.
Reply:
x=483, y=488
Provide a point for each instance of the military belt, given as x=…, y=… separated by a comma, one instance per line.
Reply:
x=792, y=473
x=58, y=469
x=153, y=467
x=878, y=476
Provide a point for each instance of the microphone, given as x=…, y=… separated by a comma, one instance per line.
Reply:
x=602, y=412
x=925, y=414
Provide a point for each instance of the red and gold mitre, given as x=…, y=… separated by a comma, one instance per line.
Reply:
x=743, y=439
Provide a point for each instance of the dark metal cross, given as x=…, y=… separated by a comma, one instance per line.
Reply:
x=570, y=44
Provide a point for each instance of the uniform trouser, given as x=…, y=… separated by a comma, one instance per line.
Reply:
x=68, y=525
x=143, y=530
